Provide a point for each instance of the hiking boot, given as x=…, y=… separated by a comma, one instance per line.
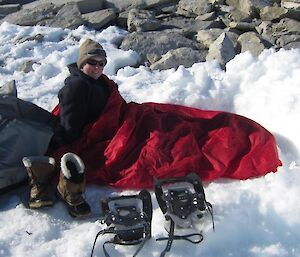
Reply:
x=71, y=185
x=40, y=170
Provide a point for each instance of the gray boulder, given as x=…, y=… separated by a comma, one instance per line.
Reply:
x=265, y=30
x=286, y=26
x=167, y=33
x=208, y=36
x=189, y=26
x=181, y=56
x=222, y=50
x=122, y=5
x=238, y=16
x=9, y=88
x=68, y=16
x=152, y=45
x=21, y=2
x=277, y=13
x=38, y=37
x=100, y=19
x=244, y=26
x=250, y=7
x=141, y=20
x=285, y=40
x=292, y=45
x=193, y=8
x=84, y=6
x=9, y=8
x=26, y=66
x=31, y=17
x=207, y=16
x=251, y=41
x=270, y=13
x=291, y=4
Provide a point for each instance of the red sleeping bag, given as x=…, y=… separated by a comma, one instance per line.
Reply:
x=132, y=143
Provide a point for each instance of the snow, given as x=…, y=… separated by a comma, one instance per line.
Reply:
x=256, y=217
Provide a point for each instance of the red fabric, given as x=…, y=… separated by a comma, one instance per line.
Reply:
x=131, y=143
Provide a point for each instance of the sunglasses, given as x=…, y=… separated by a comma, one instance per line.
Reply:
x=95, y=62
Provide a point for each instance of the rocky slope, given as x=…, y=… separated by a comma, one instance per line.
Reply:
x=169, y=33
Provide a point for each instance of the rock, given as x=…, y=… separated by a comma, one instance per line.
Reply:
x=31, y=17
x=167, y=33
x=9, y=88
x=208, y=36
x=238, y=16
x=141, y=20
x=265, y=30
x=287, y=39
x=21, y=2
x=84, y=6
x=166, y=8
x=243, y=26
x=26, y=67
x=189, y=26
x=250, y=7
x=293, y=14
x=291, y=4
x=122, y=5
x=292, y=45
x=100, y=19
x=221, y=50
x=250, y=41
x=121, y=19
x=9, y=8
x=207, y=16
x=68, y=16
x=286, y=26
x=181, y=56
x=38, y=37
x=270, y=13
x=194, y=8
x=152, y=45
x=264, y=27
x=217, y=2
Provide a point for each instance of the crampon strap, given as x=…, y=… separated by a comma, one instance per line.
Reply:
x=116, y=240
x=175, y=237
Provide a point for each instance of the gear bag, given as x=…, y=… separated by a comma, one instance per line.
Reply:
x=25, y=130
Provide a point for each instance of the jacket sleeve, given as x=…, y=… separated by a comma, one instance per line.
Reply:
x=73, y=108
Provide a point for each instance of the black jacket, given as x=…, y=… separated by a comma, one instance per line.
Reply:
x=81, y=101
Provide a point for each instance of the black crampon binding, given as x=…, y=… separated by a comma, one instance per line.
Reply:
x=182, y=201
x=128, y=218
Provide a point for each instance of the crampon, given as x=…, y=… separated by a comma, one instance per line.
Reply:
x=182, y=201
x=129, y=218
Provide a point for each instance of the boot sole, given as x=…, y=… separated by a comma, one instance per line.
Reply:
x=38, y=205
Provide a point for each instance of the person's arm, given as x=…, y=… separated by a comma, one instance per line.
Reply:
x=73, y=108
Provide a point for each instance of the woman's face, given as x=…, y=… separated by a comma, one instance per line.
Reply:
x=94, y=67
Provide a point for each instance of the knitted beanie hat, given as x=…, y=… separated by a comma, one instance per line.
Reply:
x=88, y=49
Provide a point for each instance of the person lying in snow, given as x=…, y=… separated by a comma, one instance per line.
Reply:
x=127, y=145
